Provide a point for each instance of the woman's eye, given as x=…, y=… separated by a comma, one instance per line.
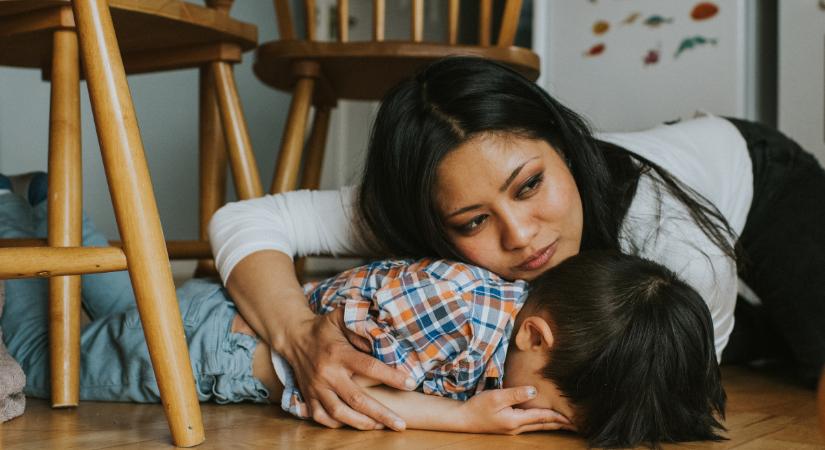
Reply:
x=471, y=226
x=531, y=185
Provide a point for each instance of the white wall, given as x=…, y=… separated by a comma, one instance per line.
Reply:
x=802, y=73
x=167, y=110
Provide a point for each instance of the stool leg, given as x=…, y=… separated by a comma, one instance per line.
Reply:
x=292, y=142
x=212, y=146
x=65, y=197
x=137, y=219
x=244, y=168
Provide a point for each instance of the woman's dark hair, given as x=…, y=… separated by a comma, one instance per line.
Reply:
x=455, y=99
x=633, y=350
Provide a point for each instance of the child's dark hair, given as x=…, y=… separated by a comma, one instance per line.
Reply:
x=633, y=351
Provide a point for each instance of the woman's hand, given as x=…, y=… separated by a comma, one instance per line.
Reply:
x=324, y=362
x=492, y=411
x=268, y=296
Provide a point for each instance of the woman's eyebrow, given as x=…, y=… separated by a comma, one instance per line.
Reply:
x=503, y=188
x=514, y=174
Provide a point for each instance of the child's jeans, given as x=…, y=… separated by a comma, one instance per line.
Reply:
x=114, y=359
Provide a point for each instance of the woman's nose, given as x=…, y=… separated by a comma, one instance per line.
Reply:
x=517, y=232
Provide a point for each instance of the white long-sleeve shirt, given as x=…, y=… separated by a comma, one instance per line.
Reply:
x=707, y=154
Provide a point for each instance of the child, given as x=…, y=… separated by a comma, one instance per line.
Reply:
x=456, y=329
x=617, y=344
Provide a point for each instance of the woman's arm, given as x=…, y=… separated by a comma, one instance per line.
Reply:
x=490, y=411
x=253, y=242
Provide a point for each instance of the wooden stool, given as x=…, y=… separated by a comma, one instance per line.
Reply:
x=153, y=35
x=323, y=72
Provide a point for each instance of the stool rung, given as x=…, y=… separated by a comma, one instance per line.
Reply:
x=44, y=262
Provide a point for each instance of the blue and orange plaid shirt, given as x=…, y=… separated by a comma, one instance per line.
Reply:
x=446, y=324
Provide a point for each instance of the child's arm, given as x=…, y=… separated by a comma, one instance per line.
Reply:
x=490, y=411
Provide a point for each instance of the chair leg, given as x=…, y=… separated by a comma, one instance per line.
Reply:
x=138, y=222
x=65, y=197
x=292, y=142
x=311, y=177
x=212, y=146
x=244, y=168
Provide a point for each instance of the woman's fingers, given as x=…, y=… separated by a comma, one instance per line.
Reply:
x=549, y=426
x=512, y=396
x=537, y=419
x=370, y=367
x=319, y=415
x=360, y=405
x=342, y=412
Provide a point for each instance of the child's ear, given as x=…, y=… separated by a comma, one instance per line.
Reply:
x=534, y=334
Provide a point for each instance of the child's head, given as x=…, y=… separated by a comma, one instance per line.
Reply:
x=624, y=346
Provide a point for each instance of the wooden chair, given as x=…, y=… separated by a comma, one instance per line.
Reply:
x=127, y=36
x=320, y=73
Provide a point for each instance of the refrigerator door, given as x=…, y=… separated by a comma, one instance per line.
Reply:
x=628, y=65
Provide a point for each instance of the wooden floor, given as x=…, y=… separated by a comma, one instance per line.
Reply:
x=764, y=412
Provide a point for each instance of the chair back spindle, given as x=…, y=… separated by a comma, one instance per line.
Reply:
x=485, y=15
x=417, y=24
x=509, y=23
x=343, y=20
x=378, y=13
x=309, y=8
x=282, y=13
x=452, y=17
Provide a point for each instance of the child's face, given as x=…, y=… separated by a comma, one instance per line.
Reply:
x=526, y=358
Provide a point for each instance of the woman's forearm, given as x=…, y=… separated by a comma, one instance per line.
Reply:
x=266, y=291
x=421, y=411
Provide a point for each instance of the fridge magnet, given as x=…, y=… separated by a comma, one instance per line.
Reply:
x=601, y=27
x=690, y=43
x=655, y=21
x=652, y=55
x=822, y=5
x=631, y=18
x=595, y=50
x=704, y=11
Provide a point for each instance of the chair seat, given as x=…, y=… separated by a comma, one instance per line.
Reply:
x=183, y=34
x=377, y=65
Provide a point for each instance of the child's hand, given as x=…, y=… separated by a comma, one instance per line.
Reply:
x=492, y=411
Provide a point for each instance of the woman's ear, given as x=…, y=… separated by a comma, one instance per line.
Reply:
x=534, y=334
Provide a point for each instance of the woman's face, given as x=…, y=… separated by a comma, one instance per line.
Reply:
x=509, y=204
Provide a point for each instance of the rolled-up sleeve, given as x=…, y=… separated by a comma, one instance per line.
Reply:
x=295, y=223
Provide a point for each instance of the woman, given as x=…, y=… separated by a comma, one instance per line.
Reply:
x=470, y=161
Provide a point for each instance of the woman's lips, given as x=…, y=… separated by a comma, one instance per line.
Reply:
x=540, y=258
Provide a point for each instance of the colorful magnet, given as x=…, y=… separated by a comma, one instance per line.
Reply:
x=704, y=10
x=689, y=43
x=600, y=27
x=632, y=18
x=656, y=20
x=595, y=50
x=652, y=56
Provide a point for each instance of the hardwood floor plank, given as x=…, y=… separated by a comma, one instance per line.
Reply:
x=764, y=412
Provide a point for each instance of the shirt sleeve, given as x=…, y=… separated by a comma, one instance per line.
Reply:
x=441, y=324
x=295, y=223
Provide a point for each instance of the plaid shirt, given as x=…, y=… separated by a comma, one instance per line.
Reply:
x=446, y=324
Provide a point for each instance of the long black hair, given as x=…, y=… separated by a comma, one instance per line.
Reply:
x=633, y=350
x=455, y=99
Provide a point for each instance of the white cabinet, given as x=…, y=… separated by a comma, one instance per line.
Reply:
x=801, y=106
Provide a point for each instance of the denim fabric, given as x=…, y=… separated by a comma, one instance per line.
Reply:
x=115, y=363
